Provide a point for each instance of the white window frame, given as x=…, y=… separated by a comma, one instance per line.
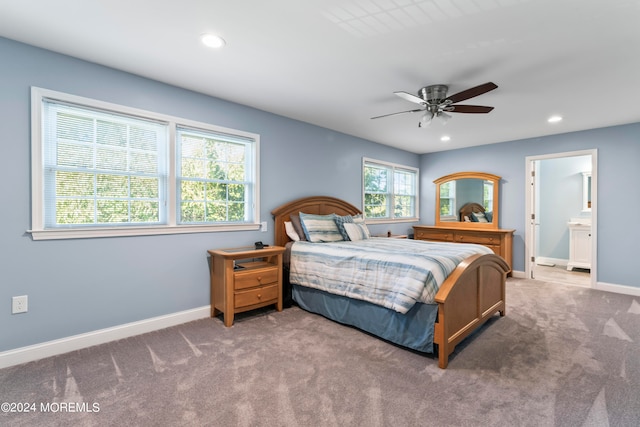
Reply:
x=393, y=167
x=451, y=202
x=171, y=226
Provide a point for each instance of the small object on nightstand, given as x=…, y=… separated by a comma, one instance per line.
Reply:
x=244, y=279
x=392, y=236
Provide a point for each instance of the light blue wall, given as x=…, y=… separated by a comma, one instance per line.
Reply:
x=77, y=286
x=618, y=155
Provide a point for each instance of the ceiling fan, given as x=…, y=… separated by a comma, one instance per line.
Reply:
x=434, y=102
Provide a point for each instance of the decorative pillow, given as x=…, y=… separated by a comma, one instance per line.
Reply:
x=358, y=219
x=340, y=221
x=320, y=228
x=479, y=217
x=356, y=231
x=347, y=219
x=489, y=216
x=297, y=226
x=291, y=232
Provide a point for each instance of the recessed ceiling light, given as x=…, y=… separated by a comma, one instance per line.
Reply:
x=554, y=119
x=213, y=41
x=445, y=138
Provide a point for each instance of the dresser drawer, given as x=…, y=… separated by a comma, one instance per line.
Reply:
x=474, y=238
x=434, y=235
x=253, y=278
x=256, y=296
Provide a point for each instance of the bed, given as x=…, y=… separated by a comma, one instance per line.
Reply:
x=471, y=294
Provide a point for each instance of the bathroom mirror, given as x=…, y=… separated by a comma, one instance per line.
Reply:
x=586, y=191
x=467, y=200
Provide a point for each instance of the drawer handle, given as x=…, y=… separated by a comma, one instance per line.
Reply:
x=259, y=278
x=259, y=296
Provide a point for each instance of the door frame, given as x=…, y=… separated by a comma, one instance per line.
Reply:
x=529, y=245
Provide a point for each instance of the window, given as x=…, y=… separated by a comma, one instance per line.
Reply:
x=390, y=191
x=105, y=170
x=448, y=201
x=488, y=196
x=215, y=177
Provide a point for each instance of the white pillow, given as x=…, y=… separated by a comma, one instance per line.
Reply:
x=291, y=232
x=479, y=216
x=356, y=231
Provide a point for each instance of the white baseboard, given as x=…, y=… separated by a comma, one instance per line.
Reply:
x=518, y=274
x=101, y=336
x=618, y=289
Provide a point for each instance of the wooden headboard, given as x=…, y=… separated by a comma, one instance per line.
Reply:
x=318, y=205
x=470, y=207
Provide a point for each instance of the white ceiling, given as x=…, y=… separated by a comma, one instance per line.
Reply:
x=336, y=63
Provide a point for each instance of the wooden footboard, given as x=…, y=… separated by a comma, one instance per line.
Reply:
x=473, y=293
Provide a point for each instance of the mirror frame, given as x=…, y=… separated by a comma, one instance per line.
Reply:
x=469, y=175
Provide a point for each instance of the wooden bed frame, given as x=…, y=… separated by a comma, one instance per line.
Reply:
x=467, y=209
x=473, y=293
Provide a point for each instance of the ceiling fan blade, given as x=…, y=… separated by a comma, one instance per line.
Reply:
x=470, y=93
x=411, y=98
x=469, y=109
x=401, y=112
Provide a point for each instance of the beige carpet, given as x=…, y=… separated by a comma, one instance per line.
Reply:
x=562, y=356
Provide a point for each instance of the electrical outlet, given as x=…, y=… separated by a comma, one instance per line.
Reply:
x=263, y=226
x=19, y=304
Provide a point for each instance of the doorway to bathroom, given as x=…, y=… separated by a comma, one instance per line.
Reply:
x=561, y=212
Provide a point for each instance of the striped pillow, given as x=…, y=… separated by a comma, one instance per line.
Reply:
x=357, y=231
x=320, y=228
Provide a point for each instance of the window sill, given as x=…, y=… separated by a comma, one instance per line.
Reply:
x=390, y=220
x=91, y=233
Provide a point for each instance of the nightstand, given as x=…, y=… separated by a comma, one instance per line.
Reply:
x=244, y=279
x=393, y=236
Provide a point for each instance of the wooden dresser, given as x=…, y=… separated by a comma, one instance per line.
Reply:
x=498, y=240
x=243, y=279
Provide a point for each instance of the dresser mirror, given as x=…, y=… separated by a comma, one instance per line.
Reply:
x=467, y=200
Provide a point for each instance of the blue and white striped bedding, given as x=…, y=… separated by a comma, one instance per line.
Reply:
x=393, y=273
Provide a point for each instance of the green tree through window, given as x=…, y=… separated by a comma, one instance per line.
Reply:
x=214, y=184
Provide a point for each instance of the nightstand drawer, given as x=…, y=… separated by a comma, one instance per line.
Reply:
x=253, y=278
x=256, y=296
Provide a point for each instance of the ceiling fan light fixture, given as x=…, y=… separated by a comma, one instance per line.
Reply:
x=426, y=118
x=444, y=117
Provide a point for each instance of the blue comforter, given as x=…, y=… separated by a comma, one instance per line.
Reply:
x=393, y=273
